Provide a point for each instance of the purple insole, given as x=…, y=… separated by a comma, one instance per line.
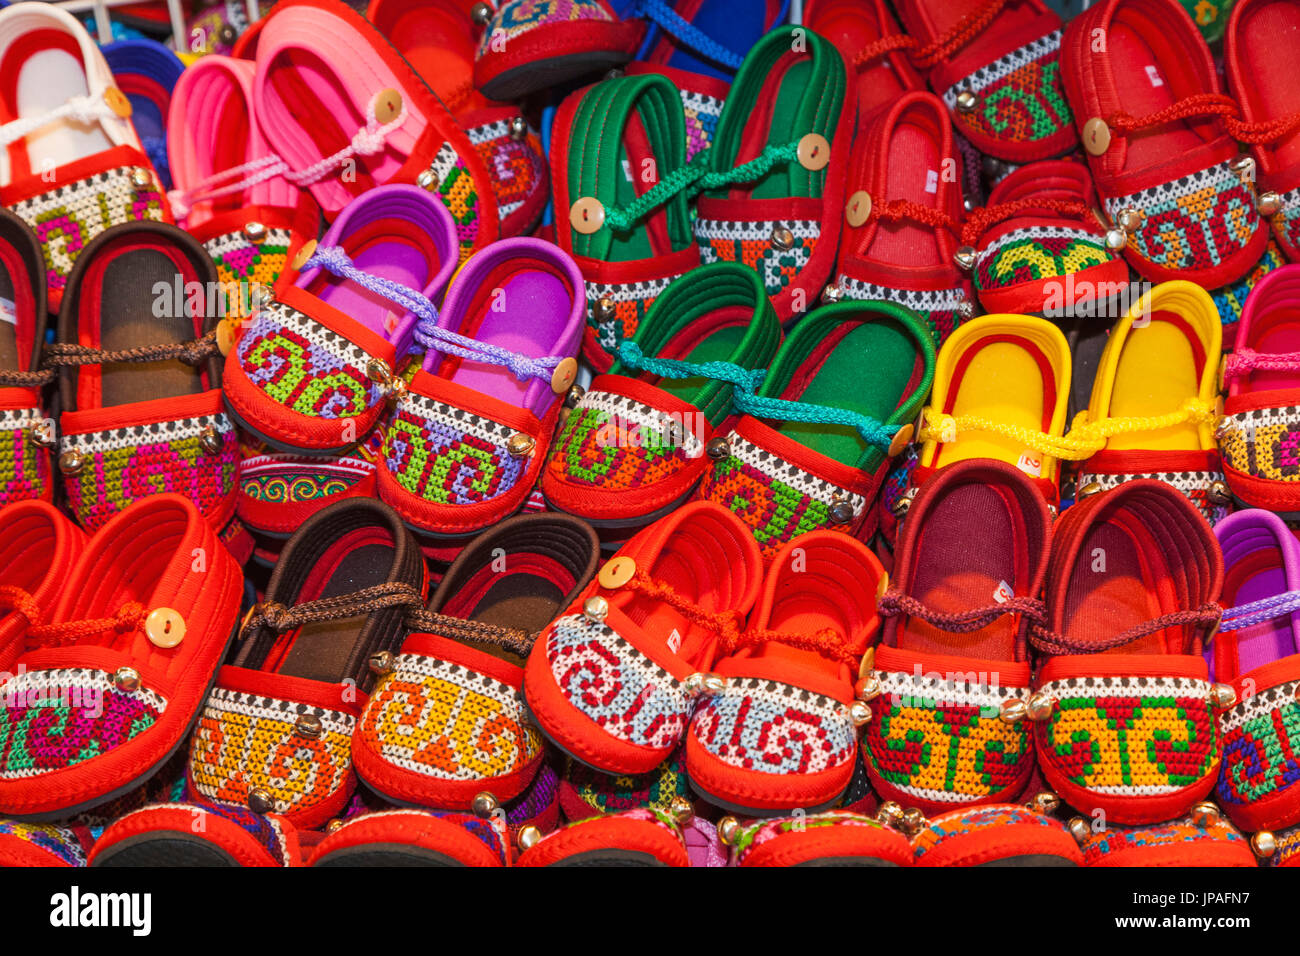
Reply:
x=1263, y=643
x=397, y=260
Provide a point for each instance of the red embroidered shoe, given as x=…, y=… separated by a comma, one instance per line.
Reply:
x=43, y=844
x=114, y=675
x=436, y=38
x=951, y=671
x=873, y=46
x=818, y=437
x=446, y=726
x=413, y=838
x=633, y=447
x=613, y=681
x=1152, y=410
x=643, y=837
x=25, y=433
x=140, y=380
x=346, y=112
x=75, y=165
x=527, y=46
x=194, y=834
x=1038, y=248
x=470, y=431
x=275, y=734
x=837, y=838
x=37, y=546
x=1124, y=714
x=994, y=63
x=997, y=835
x=311, y=371
x=904, y=213
x=781, y=730
x=585, y=791
x=789, y=120
x=1148, y=105
x=1198, y=840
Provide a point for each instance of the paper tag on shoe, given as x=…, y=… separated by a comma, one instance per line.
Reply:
x=1003, y=593
x=674, y=641
x=8, y=312
x=1031, y=463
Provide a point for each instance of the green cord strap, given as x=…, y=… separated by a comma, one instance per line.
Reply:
x=631, y=356
x=695, y=178
x=763, y=406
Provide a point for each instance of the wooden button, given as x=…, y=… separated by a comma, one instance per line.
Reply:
x=1096, y=136
x=814, y=152
x=303, y=254
x=858, y=209
x=587, y=215
x=117, y=102
x=388, y=105
x=616, y=572
x=902, y=438
x=882, y=585
x=564, y=376
x=164, y=627
x=225, y=336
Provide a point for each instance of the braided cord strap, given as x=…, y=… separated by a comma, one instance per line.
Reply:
x=515, y=640
x=872, y=431
x=1260, y=612
x=1244, y=360
x=129, y=617
x=84, y=110
x=279, y=618
x=1051, y=642
x=827, y=642
x=1194, y=411
x=367, y=141
x=894, y=603
x=1080, y=444
x=12, y=378
x=194, y=353
x=985, y=218
x=727, y=625
x=633, y=357
x=14, y=598
x=671, y=22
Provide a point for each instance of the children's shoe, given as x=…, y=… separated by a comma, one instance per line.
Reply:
x=1202, y=839
x=633, y=448
x=625, y=123
x=311, y=371
x=230, y=190
x=585, y=791
x=1152, y=118
x=195, y=834
x=873, y=46
x=67, y=178
x=470, y=432
x=1001, y=390
x=26, y=435
x=613, y=682
x=833, y=432
x=995, y=66
x=1259, y=434
x=1037, y=247
x=1124, y=715
x=834, y=839
x=436, y=38
x=114, y=675
x=526, y=47
x=37, y=547
x=789, y=120
x=780, y=729
x=998, y=835
x=140, y=380
x=445, y=724
x=413, y=838
x=43, y=844
x=950, y=675
x=644, y=837
x=1154, y=397
x=147, y=72
x=1256, y=653
x=903, y=215
x=275, y=734
x=347, y=113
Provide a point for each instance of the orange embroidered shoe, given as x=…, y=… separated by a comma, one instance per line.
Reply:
x=613, y=681
x=113, y=677
x=837, y=838
x=195, y=834
x=641, y=837
x=446, y=726
x=275, y=734
x=781, y=729
x=37, y=546
x=1201, y=839
x=997, y=835
x=1125, y=715
x=412, y=838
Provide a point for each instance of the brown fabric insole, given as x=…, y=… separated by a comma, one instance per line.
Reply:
x=9, y=333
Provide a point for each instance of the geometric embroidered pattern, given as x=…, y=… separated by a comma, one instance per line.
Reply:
x=51, y=719
x=1195, y=486
x=630, y=299
x=610, y=793
x=516, y=16
x=615, y=443
x=940, y=737
x=1286, y=223
x=603, y=676
x=1038, y=252
x=127, y=464
x=1194, y=222
x=702, y=114
x=1116, y=839
x=750, y=243
x=24, y=465
x=284, y=479
x=245, y=741
x=1261, y=735
x=1263, y=443
x=515, y=167
x=246, y=268
x=458, y=193
x=56, y=840
x=447, y=455
x=1133, y=736
x=444, y=720
x=304, y=366
x=770, y=727
x=777, y=500
x=1230, y=299
x=1020, y=96
x=66, y=218
x=941, y=309
x=1288, y=848
x=962, y=822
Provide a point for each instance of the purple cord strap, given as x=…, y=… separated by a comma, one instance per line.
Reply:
x=1260, y=612
x=428, y=333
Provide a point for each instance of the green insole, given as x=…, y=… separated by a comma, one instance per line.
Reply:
x=778, y=184
x=718, y=346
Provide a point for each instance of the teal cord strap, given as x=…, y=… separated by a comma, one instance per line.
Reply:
x=630, y=354
x=761, y=406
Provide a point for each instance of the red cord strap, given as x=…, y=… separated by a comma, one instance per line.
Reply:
x=900, y=210
x=963, y=32
x=985, y=218
x=727, y=625
x=894, y=603
x=882, y=47
x=1050, y=642
x=827, y=642
x=1201, y=105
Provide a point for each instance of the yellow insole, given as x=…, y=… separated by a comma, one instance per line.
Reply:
x=1156, y=374
x=1003, y=383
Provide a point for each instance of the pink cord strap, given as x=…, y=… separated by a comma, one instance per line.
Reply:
x=1244, y=361
x=234, y=180
x=894, y=603
x=1050, y=642
x=368, y=141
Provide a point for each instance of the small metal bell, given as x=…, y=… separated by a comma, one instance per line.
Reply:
x=718, y=448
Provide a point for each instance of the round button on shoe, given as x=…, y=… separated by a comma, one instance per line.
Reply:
x=564, y=375
x=388, y=105
x=225, y=336
x=117, y=102
x=164, y=627
x=616, y=572
x=858, y=209
x=902, y=438
x=307, y=250
x=1096, y=136
x=814, y=152
x=587, y=215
